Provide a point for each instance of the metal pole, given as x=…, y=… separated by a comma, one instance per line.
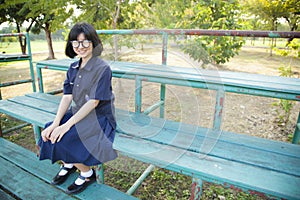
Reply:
x=139, y=181
x=30, y=62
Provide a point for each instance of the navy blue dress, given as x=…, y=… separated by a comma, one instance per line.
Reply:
x=90, y=140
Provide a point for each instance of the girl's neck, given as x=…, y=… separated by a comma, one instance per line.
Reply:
x=84, y=61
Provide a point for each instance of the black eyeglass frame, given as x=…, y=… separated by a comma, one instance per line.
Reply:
x=84, y=43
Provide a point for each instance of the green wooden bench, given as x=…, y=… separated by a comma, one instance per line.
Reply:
x=28, y=178
x=256, y=165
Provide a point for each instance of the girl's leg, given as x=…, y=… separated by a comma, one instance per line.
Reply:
x=82, y=167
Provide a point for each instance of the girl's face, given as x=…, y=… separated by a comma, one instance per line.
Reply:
x=83, y=48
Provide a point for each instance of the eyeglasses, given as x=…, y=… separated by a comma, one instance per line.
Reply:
x=84, y=43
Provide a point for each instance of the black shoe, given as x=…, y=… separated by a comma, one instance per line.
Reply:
x=74, y=189
x=57, y=180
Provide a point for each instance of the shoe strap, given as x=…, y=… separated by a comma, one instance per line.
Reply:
x=65, y=168
x=82, y=177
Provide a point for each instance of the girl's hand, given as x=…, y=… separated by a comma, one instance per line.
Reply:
x=47, y=132
x=58, y=133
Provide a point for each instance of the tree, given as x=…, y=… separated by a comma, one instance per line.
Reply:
x=105, y=14
x=291, y=14
x=215, y=15
x=269, y=11
x=14, y=12
x=49, y=16
x=165, y=13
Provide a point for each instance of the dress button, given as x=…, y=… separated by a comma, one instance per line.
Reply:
x=79, y=76
x=77, y=85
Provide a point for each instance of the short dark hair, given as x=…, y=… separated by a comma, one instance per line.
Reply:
x=90, y=34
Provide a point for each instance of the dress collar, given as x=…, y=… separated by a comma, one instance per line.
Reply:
x=88, y=66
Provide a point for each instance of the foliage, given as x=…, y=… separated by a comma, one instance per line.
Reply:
x=49, y=16
x=18, y=16
x=285, y=106
x=271, y=11
x=165, y=13
x=214, y=15
x=292, y=13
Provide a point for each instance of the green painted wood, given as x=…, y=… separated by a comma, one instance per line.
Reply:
x=210, y=168
x=26, y=186
x=44, y=170
x=13, y=57
x=205, y=141
x=39, y=104
x=240, y=80
x=31, y=115
x=177, y=140
x=138, y=125
x=44, y=96
x=5, y=196
x=200, y=141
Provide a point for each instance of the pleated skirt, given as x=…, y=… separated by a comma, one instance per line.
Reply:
x=89, y=142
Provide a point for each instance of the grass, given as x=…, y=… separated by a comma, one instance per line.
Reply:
x=122, y=172
x=36, y=46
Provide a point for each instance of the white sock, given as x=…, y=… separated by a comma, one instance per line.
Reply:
x=68, y=165
x=63, y=171
x=84, y=174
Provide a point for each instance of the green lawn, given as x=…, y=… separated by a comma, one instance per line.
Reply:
x=36, y=46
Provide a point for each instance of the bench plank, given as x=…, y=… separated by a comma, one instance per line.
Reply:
x=5, y=196
x=44, y=96
x=31, y=115
x=45, y=171
x=39, y=104
x=139, y=126
x=209, y=168
x=238, y=82
x=13, y=57
x=24, y=185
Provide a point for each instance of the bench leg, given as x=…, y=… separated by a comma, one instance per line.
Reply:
x=37, y=133
x=100, y=174
x=196, y=189
x=220, y=98
x=1, y=134
x=296, y=137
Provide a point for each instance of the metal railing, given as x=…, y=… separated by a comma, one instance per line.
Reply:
x=19, y=57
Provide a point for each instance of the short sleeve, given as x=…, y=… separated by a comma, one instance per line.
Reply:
x=103, y=89
x=67, y=89
x=70, y=78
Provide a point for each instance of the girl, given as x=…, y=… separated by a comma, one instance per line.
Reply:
x=82, y=135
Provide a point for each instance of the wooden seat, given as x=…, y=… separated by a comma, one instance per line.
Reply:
x=28, y=178
x=13, y=57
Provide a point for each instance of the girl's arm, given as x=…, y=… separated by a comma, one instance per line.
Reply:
x=62, y=109
x=59, y=132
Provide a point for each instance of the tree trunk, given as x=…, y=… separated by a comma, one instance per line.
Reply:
x=115, y=37
x=49, y=42
x=22, y=44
